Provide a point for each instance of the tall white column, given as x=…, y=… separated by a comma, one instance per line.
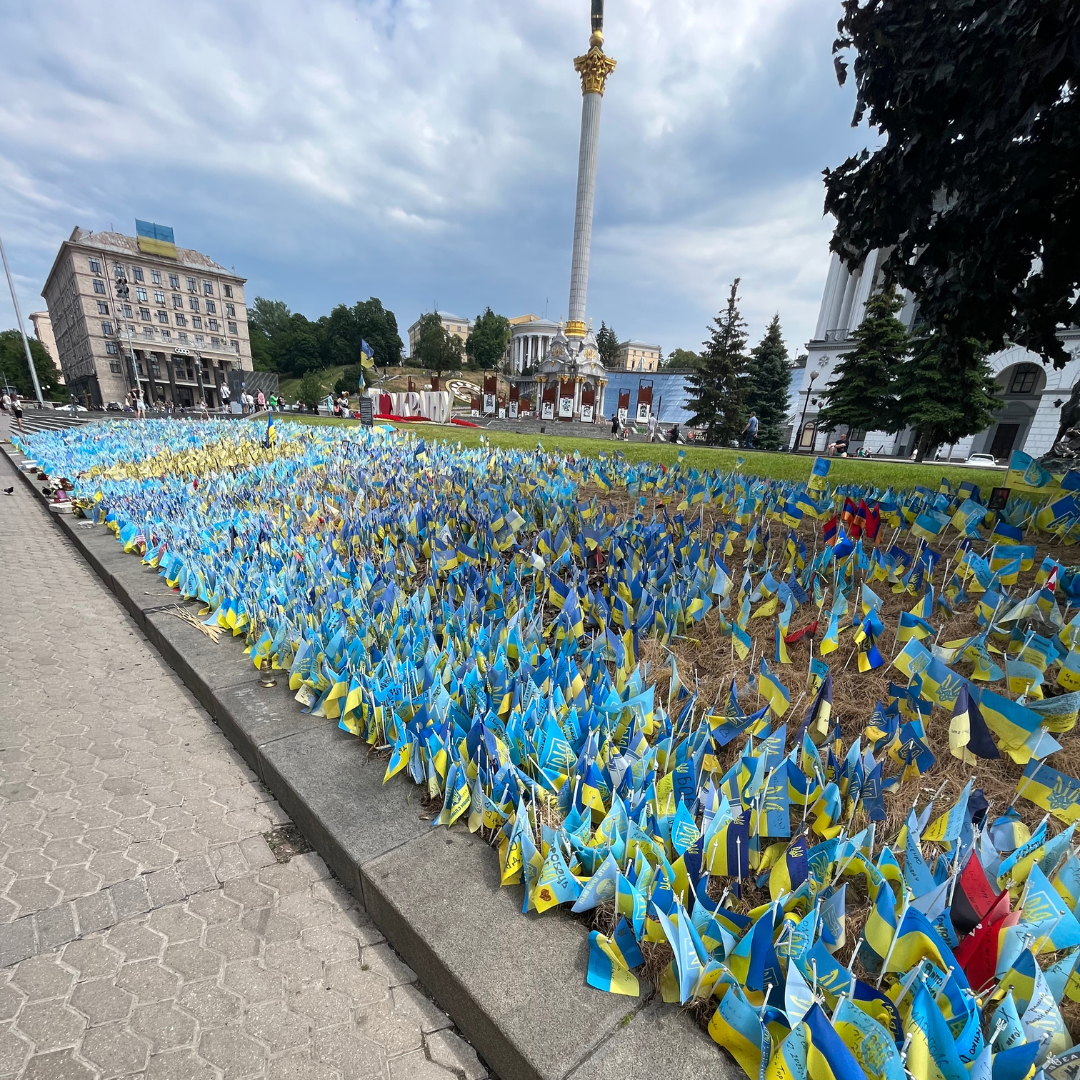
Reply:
x=827, y=297
x=583, y=217
x=594, y=68
x=862, y=293
x=849, y=297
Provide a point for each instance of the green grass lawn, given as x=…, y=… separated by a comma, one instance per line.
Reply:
x=779, y=466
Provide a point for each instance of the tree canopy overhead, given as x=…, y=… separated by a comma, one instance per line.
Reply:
x=975, y=185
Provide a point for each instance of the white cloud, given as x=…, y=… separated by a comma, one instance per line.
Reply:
x=401, y=147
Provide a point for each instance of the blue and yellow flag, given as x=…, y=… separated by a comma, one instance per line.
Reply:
x=271, y=432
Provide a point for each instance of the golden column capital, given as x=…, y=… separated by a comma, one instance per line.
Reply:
x=594, y=67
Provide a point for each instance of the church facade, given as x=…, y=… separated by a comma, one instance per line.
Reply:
x=1031, y=393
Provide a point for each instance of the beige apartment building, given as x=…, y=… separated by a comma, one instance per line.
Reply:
x=638, y=356
x=176, y=335
x=43, y=331
x=452, y=324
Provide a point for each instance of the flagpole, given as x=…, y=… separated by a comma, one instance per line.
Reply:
x=22, y=331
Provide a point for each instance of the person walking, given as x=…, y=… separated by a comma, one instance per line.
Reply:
x=140, y=406
x=262, y=401
x=654, y=423
x=614, y=425
x=749, y=433
x=16, y=411
x=225, y=397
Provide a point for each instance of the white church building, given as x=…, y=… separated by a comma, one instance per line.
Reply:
x=1033, y=393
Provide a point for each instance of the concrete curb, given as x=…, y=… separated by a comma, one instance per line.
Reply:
x=514, y=984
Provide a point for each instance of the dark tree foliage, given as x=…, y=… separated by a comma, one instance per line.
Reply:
x=13, y=366
x=488, y=339
x=862, y=392
x=437, y=349
x=942, y=399
x=607, y=345
x=719, y=385
x=768, y=383
x=975, y=183
x=682, y=360
x=291, y=344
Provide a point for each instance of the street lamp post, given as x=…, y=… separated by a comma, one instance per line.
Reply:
x=809, y=390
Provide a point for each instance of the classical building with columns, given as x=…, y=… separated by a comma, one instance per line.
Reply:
x=530, y=337
x=1031, y=393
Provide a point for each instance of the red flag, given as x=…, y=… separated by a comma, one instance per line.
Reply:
x=1051, y=581
x=847, y=515
x=974, y=897
x=798, y=635
x=978, y=952
x=873, y=520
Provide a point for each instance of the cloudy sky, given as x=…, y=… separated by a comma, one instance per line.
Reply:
x=425, y=151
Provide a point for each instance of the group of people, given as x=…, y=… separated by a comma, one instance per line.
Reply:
x=621, y=430
x=13, y=406
x=338, y=406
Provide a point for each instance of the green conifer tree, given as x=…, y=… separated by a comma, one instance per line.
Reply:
x=718, y=387
x=863, y=390
x=944, y=396
x=767, y=386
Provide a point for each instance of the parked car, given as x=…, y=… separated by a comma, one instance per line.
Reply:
x=114, y=406
x=983, y=461
x=68, y=406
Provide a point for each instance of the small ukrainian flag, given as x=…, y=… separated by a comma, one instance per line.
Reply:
x=271, y=431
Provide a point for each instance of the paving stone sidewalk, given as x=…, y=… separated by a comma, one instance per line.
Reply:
x=146, y=928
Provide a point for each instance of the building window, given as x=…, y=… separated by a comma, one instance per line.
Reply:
x=177, y=301
x=165, y=334
x=159, y=298
x=132, y=329
x=211, y=307
x=182, y=335
x=228, y=290
x=155, y=276
x=111, y=349
x=118, y=269
x=211, y=324
x=114, y=366
x=127, y=311
x=148, y=331
x=193, y=303
x=163, y=317
x=208, y=288
x=144, y=314
x=174, y=281
x=196, y=322
x=192, y=285
x=99, y=287
x=181, y=319
x=102, y=307
x=198, y=339
x=235, y=346
x=137, y=274
x=230, y=310
x=232, y=328
x=106, y=329
x=215, y=343
x=140, y=294
x=95, y=266
x=1024, y=379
